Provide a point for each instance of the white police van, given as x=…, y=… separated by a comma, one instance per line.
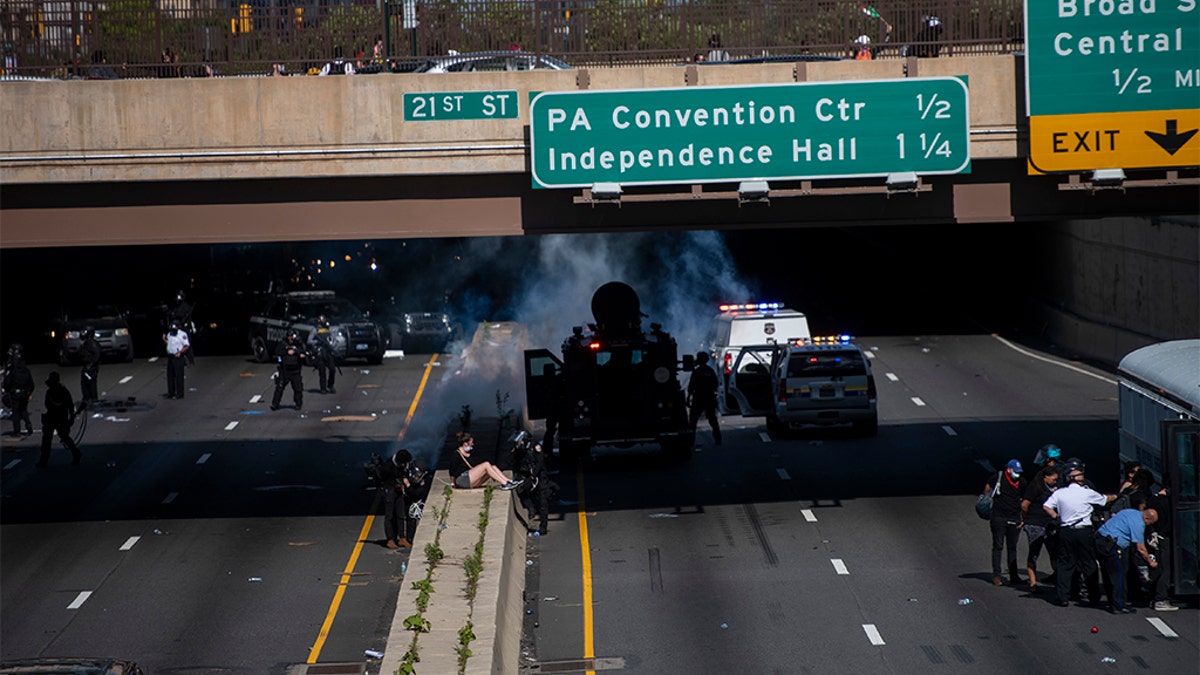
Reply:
x=822, y=381
x=756, y=323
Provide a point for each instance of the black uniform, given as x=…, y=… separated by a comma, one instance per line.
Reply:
x=58, y=418
x=416, y=489
x=536, y=488
x=321, y=344
x=702, y=391
x=291, y=362
x=391, y=491
x=18, y=389
x=89, y=377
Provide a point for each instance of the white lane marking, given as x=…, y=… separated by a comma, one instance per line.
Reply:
x=79, y=600
x=870, y=354
x=256, y=398
x=892, y=377
x=917, y=400
x=393, y=354
x=783, y=474
x=764, y=436
x=1055, y=362
x=873, y=634
x=1162, y=627
x=204, y=458
x=152, y=359
x=231, y=425
x=839, y=566
x=808, y=515
x=125, y=379
x=129, y=543
x=170, y=497
x=11, y=464
x=949, y=430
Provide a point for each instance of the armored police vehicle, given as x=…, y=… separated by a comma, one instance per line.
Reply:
x=616, y=385
x=353, y=334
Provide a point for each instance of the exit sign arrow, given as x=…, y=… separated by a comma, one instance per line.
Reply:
x=1171, y=141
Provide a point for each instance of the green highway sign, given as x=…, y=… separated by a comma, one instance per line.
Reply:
x=444, y=106
x=775, y=131
x=1100, y=56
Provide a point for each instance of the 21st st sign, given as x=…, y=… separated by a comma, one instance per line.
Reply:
x=724, y=134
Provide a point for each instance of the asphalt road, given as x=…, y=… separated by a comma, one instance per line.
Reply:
x=206, y=535
x=824, y=552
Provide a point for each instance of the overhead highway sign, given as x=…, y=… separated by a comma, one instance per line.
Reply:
x=690, y=135
x=1112, y=83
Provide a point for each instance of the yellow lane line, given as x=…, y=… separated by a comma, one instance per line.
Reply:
x=589, y=639
x=315, y=653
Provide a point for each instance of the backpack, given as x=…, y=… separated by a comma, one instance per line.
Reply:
x=983, y=505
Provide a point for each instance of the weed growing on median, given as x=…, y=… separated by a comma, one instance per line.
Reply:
x=465, y=636
x=434, y=552
x=423, y=588
x=417, y=624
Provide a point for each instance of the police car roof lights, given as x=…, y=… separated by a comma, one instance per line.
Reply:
x=824, y=340
x=752, y=307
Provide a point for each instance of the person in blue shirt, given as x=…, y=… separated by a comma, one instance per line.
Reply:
x=1125, y=530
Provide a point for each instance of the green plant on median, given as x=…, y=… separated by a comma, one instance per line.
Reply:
x=408, y=664
x=465, y=636
x=423, y=588
x=434, y=553
x=417, y=624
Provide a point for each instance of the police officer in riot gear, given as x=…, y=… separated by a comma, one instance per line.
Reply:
x=417, y=481
x=292, y=358
x=702, y=396
x=58, y=418
x=536, y=488
x=320, y=342
x=18, y=389
x=89, y=377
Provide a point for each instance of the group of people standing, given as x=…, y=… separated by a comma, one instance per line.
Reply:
x=316, y=351
x=1120, y=538
x=59, y=412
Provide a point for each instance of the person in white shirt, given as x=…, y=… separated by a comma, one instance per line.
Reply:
x=178, y=345
x=1072, y=507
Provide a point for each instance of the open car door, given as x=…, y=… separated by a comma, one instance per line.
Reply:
x=750, y=379
x=542, y=372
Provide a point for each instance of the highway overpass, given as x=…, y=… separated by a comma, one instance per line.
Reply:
x=309, y=158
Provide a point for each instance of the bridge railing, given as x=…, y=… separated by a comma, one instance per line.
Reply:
x=172, y=38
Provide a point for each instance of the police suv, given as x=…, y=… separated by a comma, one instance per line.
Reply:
x=353, y=335
x=755, y=323
x=821, y=381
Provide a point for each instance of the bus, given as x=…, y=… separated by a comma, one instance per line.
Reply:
x=1159, y=426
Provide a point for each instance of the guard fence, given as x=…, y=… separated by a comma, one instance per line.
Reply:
x=173, y=38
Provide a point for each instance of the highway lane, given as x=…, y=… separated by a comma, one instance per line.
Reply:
x=208, y=534
x=824, y=552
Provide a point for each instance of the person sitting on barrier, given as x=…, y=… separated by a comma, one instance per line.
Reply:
x=469, y=475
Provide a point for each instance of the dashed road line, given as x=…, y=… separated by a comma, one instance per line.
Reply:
x=129, y=543
x=873, y=634
x=764, y=437
x=1162, y=627
x=125, y=379
x=783, y=474
x=949, y=430
x=839, y=566
x=79, y=600
x=256, y=398
x=170, y=497
x=11, y=464
x=204, y=458
x=917, y=400
x=152, y=359
x=808, y=515
x=231, y=425
x=892, y=377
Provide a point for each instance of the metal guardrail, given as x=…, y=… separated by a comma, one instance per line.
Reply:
x=202, y=38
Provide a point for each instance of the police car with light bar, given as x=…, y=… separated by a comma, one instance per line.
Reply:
x=353, y=335
x=755, y=323
x=822, y=381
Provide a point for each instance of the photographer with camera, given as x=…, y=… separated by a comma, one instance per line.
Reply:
x=389, y=478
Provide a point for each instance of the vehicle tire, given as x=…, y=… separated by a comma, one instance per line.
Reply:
x=259, y=347
x=869, y=427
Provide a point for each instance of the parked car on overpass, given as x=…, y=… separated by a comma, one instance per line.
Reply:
x=491, y=62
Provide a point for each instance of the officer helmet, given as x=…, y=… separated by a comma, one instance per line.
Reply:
x=293, y=335
x=16, y=350
x=174, y=325
x=322, y=322
x=53, y=378
x=417, y=471
x=702, y=357
x=181, y=297
x=402, y=457
x=89, y=333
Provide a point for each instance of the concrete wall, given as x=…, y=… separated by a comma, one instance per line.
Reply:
x=231, y=128
x=1117, y=284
